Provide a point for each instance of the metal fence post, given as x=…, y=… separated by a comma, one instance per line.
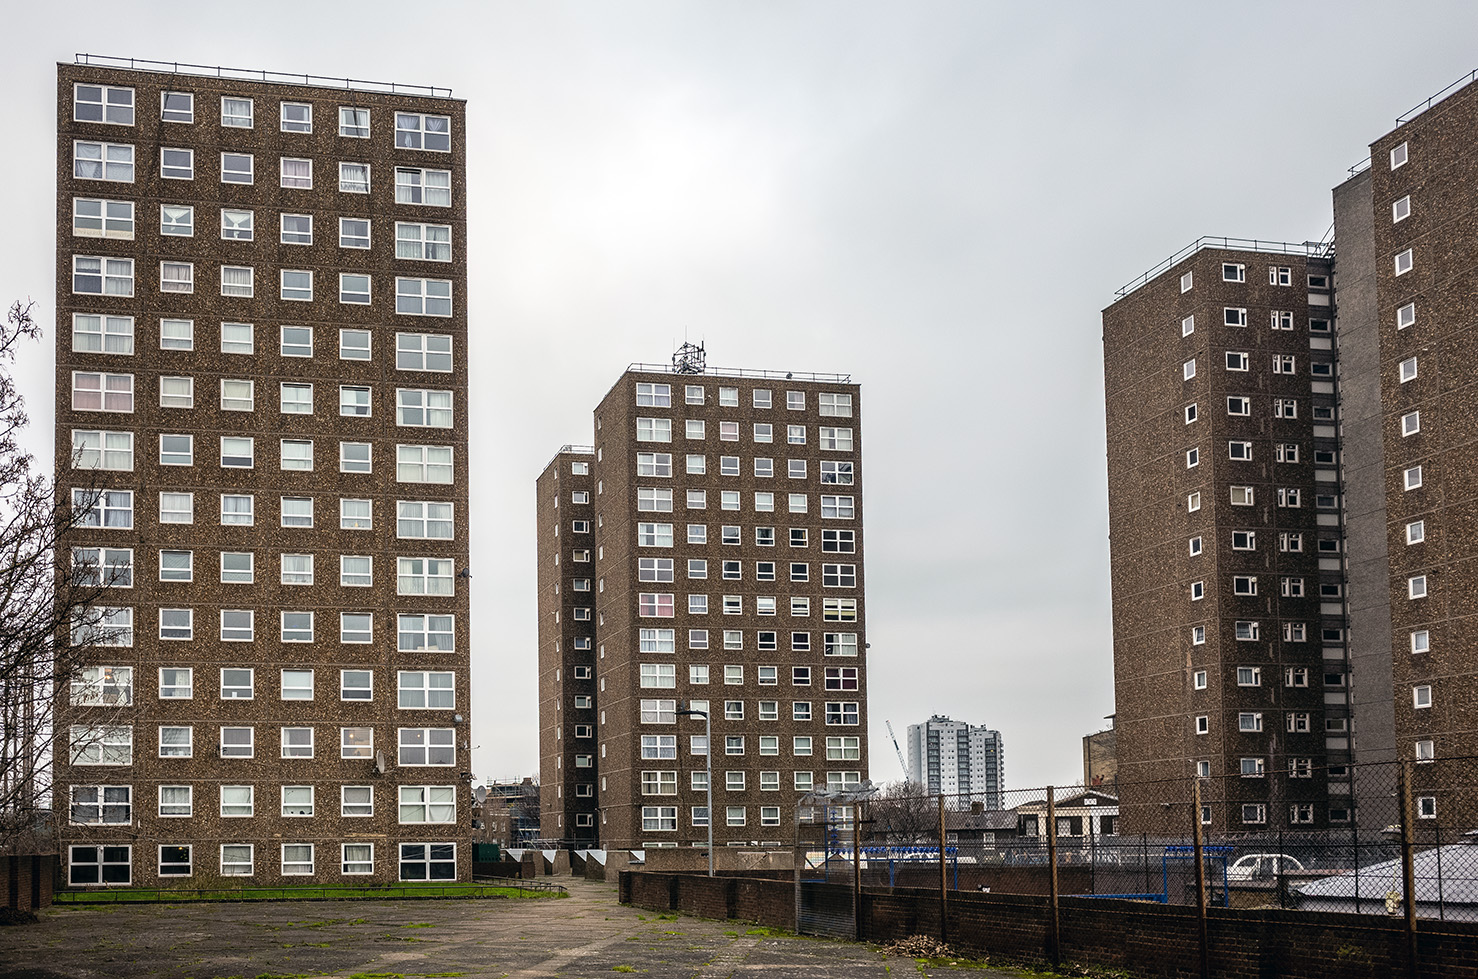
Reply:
x=1054, y=933
x=943, y=879
x=1197, y=854
x=1408, y=871
x=857, y=870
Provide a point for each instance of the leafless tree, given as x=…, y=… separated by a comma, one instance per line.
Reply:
x=50, y=616
x=902, y=814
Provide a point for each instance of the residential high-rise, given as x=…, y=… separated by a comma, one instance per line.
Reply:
x=1406, y=267
x=956, y=758
x=1224, y=537
x=261, y=363
x=1369, y=343
x=714, y=541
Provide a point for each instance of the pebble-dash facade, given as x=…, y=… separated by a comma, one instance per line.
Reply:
x=709, y=548
x=261, y=360
x=1375, y=360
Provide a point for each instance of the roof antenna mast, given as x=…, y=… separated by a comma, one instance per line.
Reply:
x=690, y=358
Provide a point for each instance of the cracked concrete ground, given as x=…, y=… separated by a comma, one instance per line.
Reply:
x=585, y=935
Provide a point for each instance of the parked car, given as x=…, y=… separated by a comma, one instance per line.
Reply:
x=1263, y=866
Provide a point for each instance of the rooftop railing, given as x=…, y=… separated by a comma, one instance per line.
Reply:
x=1308, y=249
x=256, y=75
x=1421, y=107
x=740, y=372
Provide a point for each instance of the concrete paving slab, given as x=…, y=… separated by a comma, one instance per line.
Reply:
x=583, y=936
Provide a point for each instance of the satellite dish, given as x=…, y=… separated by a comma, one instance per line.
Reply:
x=380, y=764
x=480, y=794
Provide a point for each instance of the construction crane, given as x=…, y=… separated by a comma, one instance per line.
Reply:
x=901, y=763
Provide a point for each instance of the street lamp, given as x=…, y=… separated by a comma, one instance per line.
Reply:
x=683, y=709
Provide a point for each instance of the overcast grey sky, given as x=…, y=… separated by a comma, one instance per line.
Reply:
x=935, y=197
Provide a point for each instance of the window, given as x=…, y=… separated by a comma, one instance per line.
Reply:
x=174, y=860
x=103, y=219
x=423, y=297
x=354, y=122
x=102, y=744
x=1416, y=532
x=1233, y=272
x=176, y=277
x=427, y=746
x=1405, y=316
x=103, y=508
x=102, y=161
x=101, y=805
x=1421, y=696
x=235, y=226
x=1284, y=364
x=97, y=276
x=437, y=861
x=1416, y=587
x=1234, y=316
x=430, y=632
x=423, y=463
x=1198, y=590
x=1411, y=423
x=423, y=132
x=1237, y=361
x=356, y=685
x=1404, y=262
x=236, y=112
x=1285, y=408
x=428, y=804
x=236, y=858
x=103, y=103
x=297, y=742
x=99, y=864
x=93, y=333
x=1244, y=585
x=1401, y=209
x=297, y=117
x=1239, y=406
x=1203, y=724
x=431, y=243
x=432, y=188
x=1241, y=451
x=1421, y=641
x=177, y=107
x=1242, y=495
x=237, y=168
x=422, y=408
x=843, y=713
x=237, y=742
x=296, y=229
x=102, y=450
x=1250, y=722
x=354, y=457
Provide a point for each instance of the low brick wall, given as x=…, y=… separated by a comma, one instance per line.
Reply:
x=761, y=900
x=1143, y=939
x=28, y=879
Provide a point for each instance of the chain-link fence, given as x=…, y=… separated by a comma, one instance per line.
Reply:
x=1384, y=839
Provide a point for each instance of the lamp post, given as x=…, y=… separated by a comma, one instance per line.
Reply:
x=708, y=757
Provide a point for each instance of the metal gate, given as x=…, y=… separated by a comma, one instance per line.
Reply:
x=825, y=869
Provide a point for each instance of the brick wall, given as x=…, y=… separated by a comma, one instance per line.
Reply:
x=1142, y=939
x=28, y=880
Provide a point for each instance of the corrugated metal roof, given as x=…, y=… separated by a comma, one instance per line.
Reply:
x=1445, y=873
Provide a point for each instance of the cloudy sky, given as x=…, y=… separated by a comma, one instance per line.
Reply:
x=936, y=197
